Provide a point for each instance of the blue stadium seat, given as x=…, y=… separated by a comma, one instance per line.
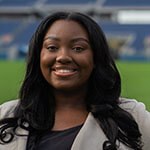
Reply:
x=17, y=2
x=9, y=28
x=26, y=32
x=70, y=2
x=125, y=3
x=8, y=25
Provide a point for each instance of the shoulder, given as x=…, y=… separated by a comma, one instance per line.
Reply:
x=135, y=108
x=141, y=116
x=7, y=109
x=130, y=104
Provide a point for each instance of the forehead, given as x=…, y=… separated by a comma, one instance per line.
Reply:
x=66, y=27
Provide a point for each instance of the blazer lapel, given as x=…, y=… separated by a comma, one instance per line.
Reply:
x=90, y=136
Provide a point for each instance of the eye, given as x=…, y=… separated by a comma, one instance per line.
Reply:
x=52, y=48
x=78, y=49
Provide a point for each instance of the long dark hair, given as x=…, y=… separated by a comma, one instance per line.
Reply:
x=37, y=104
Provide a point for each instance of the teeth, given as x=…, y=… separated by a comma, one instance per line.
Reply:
x=64, y=70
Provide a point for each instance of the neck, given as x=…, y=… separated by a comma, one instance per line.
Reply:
x=70, y=99
x=70, y=109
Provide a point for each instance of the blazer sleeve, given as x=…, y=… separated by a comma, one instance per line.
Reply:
x=7, y=109
x=142, y=117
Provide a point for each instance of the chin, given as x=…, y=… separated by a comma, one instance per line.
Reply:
x=65, y=88
x=69, y=88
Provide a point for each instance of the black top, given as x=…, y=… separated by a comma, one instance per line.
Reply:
x=58, y=140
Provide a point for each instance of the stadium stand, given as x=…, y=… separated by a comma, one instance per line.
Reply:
x=130, y=38
x=16, y=34
x=8, y=28
x=27, y=29
x=138, y=32
x=19, y=18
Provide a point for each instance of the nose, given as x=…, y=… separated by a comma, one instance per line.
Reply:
x=63, y=57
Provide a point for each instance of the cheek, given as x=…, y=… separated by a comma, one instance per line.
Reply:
x=46, y=59
x=44, y=70
x=43, y=57
x=90, y=62
x=44, y=64
x=88, y=66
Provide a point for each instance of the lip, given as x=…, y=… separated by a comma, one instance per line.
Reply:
x=64, y=71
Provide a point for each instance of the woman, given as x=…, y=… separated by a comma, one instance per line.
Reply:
x=70, y=97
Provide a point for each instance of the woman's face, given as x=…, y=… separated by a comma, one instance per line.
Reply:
x=66, y=58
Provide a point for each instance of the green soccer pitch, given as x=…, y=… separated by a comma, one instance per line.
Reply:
x=135, y=80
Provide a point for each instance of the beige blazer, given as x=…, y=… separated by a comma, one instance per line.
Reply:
x=91, y=136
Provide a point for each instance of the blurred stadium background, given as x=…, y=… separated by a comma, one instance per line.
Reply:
x=125, y=23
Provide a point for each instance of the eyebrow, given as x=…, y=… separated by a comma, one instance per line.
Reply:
x=80, y=39
x=52, y=38
x=76, y=39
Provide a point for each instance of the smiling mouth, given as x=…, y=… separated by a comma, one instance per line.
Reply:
x=64, y=71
